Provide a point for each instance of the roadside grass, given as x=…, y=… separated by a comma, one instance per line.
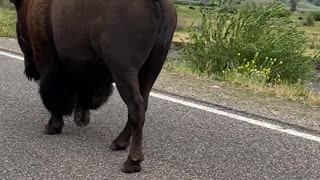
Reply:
x=7, y=23
x=294, y=92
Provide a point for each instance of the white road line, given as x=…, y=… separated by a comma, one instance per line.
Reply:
x=216, y=111
x=11, y=55
x=238, y=117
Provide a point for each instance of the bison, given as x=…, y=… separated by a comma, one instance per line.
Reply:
x=76, y=50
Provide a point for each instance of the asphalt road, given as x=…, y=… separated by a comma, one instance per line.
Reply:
x=180, y=142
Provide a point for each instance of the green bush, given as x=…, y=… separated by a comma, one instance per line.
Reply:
x=256, y=40
x=316, y=15
x=285, y=13
x=309, y=20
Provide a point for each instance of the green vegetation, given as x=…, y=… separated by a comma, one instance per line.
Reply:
x=7, y=19
x=255, y=41
x=316, y=15
x=7, y=23
x=309, y=20
x=266, y=48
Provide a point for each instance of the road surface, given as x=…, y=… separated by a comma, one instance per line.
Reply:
x=180, y=141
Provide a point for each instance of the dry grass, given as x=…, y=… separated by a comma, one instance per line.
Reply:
x=294, y=92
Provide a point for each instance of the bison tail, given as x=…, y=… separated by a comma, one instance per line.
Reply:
x=168, y=22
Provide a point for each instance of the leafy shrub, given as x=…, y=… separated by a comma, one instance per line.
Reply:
x=284, y=13
x=227, y=42
x=316, y=15
x=309, y=20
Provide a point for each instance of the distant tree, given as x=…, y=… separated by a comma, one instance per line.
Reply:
x=294, y=4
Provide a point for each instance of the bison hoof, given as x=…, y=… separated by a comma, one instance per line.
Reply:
x=81, y=117
x=116, y=146
x=131, y=166
x=50, y=129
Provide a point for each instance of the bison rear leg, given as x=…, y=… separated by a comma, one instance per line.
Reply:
x=147, y=77
x=135, y=90
x=58, y=97
x=128, y=87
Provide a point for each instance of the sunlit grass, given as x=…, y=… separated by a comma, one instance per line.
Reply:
x=7, y=23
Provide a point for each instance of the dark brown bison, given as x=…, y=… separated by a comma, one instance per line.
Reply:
x=76, y=49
